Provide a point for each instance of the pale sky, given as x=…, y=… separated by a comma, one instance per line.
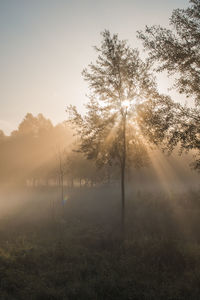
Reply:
x=45, y=44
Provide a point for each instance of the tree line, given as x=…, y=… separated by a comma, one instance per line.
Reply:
x=41, y=154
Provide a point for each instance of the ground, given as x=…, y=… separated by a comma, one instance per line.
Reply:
x=74, y=250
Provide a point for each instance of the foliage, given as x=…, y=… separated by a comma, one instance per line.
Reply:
x=28, y=153
x=177, y=51
x=118, y=81
x=171, y=125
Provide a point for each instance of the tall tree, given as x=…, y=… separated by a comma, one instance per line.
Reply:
x=177, y=50
x=118, y=81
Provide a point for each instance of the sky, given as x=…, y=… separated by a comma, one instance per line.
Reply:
x=45, y=44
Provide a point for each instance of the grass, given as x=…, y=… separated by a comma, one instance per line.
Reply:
x=76, y=252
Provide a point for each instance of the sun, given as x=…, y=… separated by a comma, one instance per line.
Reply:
x=126, y=104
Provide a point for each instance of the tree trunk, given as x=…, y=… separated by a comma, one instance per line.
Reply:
x=61, y=182
x=123, y=168
x=123, y=199
x=62, y=189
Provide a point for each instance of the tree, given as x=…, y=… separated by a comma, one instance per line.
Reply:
x=118, y=81
x=34, y=125
x=27, y=156
x=177, y=50
x=169, y=124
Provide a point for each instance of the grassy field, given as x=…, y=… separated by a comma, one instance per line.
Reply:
x=74, y=251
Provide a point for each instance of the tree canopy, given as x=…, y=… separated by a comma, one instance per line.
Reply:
x=118, y=81
x=176, y=50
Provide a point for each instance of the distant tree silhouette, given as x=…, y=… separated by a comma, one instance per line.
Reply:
x=118, y=82
x=28, y=154
x=34, y=125
x=177, y=51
